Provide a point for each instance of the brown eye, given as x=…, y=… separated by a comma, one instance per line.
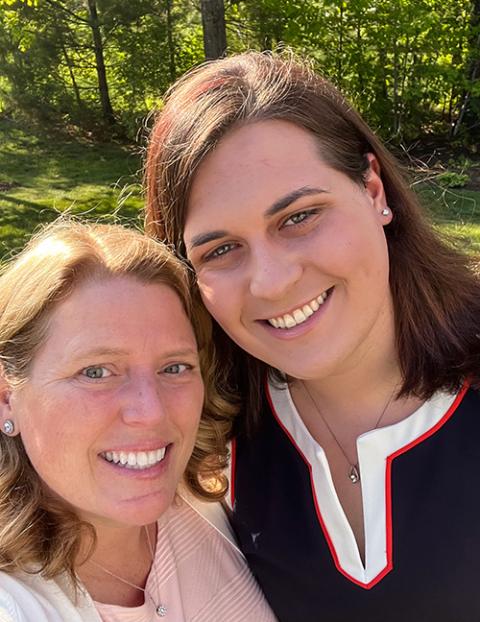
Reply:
x=220, y=251
x=297, y=219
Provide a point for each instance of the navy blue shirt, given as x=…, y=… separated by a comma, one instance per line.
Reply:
x=422, y=527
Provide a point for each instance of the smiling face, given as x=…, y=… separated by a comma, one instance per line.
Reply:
x=110, y=409
x=295, y=267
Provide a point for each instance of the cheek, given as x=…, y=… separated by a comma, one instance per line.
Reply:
x=359, y=249
x=54, y=430
x=187, y=409
x=218, y=297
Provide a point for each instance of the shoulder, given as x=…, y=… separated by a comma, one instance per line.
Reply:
x=19, y=601
x=30, y=598
x=212, y=513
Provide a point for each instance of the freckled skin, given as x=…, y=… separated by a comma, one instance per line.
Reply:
x=139, y=341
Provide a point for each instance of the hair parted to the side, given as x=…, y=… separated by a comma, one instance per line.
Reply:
x=435, y=292
x=36, y=530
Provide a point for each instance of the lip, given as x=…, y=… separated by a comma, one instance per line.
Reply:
x=149, y=473
x=138, y=446
x=300, y=329
x=292, y=309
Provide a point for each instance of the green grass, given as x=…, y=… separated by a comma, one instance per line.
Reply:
x=456, y=214
x=44, y=173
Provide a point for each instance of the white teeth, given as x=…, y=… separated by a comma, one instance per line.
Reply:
x=289, y=320
x=307, y=309
x=142, y=459
x=299, y=316
x=135, y=459
x=152, y=457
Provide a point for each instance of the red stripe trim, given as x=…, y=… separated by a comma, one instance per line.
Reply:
x=233, y=465
x=388, y=488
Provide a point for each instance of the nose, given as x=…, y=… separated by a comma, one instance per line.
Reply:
x=142, y=402
x=273, y=272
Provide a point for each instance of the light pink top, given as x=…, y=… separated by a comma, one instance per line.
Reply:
x=197, y=575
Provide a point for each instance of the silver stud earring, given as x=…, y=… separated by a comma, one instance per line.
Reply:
x=385, y=211
x=8, y=427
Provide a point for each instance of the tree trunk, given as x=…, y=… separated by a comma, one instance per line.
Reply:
x=171, y=44
x=340, y=46
x=214, y=33
x=107, y=110
x=68, y=61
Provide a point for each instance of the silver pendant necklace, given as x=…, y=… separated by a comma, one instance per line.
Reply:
x=160, y=609
x=354, y=470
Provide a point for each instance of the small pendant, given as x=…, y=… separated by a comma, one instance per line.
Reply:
x=161, y=611
x=353, y=474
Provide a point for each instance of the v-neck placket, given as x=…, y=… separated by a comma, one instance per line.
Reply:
x=376, y=450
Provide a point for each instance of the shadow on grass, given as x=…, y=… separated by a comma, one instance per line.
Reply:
x=42, y=157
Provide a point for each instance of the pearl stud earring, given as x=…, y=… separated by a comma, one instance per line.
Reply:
x=385, y=211
x=8, y=427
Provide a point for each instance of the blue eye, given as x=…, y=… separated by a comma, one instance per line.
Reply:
x=95, y=372
x=177, y=368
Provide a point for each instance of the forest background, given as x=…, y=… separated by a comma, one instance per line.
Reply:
x=79, y=78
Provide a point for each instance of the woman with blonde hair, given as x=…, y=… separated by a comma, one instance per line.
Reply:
x=103, y=411
x=350, y=330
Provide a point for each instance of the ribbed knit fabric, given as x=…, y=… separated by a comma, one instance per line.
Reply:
x=197, y=575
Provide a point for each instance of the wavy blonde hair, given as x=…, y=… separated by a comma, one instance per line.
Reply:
x=37, y=530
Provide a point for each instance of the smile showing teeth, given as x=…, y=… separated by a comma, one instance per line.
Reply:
x=135, y=459
x=298, y=316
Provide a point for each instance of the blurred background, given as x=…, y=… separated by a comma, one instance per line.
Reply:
x=79, y=79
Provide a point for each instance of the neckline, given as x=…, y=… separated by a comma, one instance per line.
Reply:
x=376, y=449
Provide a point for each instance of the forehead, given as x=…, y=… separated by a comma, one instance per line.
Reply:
x=255, y=164
x=115, y=311
x=271, y=143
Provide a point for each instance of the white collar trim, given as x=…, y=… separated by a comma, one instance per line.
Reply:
x=376, y=450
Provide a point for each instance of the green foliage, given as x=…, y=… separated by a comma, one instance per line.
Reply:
x=411, y=65
x=452, y=179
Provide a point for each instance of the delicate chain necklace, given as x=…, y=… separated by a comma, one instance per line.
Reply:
x=354, y=471
x=160, y=609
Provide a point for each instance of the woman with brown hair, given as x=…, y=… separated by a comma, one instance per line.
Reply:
x=103, y=409
x=350, y=331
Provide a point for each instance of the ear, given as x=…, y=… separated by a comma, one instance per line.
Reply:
x=6, y=411
x=375, y=190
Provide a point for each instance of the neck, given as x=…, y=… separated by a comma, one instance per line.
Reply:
x=123, y=551
x=354, y=395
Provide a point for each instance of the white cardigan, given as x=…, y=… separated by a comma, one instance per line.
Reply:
x=31, y=598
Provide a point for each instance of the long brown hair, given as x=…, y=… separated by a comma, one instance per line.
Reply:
x=435, y=292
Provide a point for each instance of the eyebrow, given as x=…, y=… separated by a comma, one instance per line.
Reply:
x=205, y=238
x=101, y=352
x=278, y=206
x=291, y=197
